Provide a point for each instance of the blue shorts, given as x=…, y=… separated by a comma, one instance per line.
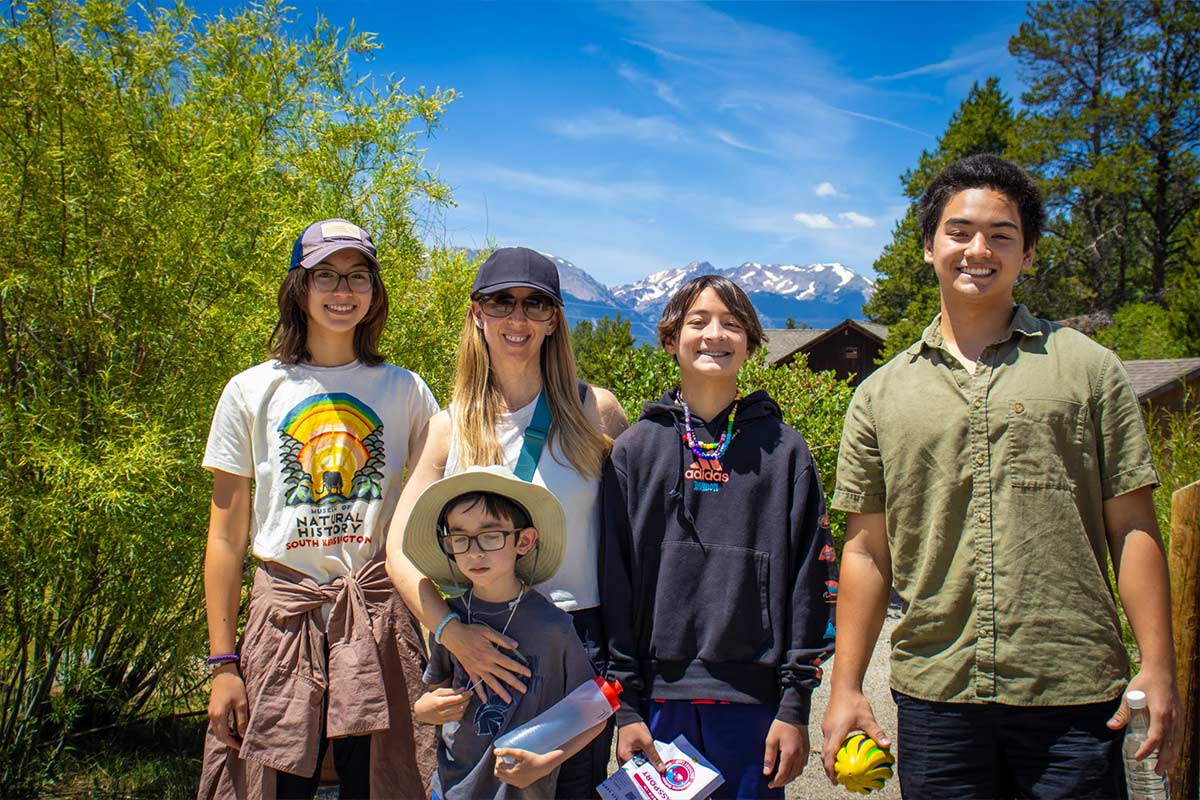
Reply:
x=732, y=736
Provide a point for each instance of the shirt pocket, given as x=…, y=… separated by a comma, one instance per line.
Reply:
x=712, y=604
x=1044, y=440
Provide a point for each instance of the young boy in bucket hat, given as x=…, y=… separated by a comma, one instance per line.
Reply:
x=498, y=535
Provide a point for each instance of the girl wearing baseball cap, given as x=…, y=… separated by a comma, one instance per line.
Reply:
x=517, y=401
x=307, y=452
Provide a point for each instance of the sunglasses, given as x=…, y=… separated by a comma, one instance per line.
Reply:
x=537, y=307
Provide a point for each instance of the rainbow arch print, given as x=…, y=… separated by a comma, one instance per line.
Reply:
x=331, y=446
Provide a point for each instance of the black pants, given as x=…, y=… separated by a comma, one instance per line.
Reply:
x=351, y=757
x=992, y=751
x=583, y=772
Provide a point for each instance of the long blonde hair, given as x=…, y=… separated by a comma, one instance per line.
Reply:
x=476, y=403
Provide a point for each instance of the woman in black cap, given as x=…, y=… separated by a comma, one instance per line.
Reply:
x=517, y=401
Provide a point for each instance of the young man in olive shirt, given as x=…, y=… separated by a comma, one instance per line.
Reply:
x=989, y=472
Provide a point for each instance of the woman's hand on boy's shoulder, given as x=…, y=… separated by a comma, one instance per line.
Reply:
x=441, y=705
x=522, y=768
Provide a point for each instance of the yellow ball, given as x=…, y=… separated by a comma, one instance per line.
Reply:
x=861, y=765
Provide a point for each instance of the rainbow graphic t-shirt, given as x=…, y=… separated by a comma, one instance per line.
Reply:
x=326, y=448
x=332, y=451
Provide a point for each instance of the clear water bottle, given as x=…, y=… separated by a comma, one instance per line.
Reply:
x=590, y=703
x=1143, y=783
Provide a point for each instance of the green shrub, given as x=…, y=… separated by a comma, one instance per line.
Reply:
x=156, y=167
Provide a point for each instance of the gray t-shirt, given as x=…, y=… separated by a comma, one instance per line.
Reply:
x=550, y=648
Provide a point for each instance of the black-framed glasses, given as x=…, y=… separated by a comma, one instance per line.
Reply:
x=328, y=280
x=456, y=544
x=537, y=307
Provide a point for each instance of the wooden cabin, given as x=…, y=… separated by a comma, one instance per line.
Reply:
x=1170, y=384
x=849, y=349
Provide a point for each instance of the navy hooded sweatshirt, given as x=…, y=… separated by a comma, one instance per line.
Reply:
x=718, y=579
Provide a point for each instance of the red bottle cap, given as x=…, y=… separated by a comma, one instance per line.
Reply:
x=610, y=689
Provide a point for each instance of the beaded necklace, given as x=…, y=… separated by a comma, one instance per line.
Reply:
x=707, y=450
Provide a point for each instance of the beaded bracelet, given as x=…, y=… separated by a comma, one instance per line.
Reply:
x=223, y=659
x=437, y=634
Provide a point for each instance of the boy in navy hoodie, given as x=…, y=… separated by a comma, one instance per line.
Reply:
x=718, y=576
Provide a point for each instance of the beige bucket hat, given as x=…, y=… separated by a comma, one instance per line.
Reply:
x=421, y=536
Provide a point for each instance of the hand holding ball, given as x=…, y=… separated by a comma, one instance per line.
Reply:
x=861, y=765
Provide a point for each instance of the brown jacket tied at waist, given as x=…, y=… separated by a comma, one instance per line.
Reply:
x=366, y=685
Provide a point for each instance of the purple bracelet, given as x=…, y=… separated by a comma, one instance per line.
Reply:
x=227, y=658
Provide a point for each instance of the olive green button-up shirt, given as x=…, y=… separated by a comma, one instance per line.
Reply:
x=993, y=487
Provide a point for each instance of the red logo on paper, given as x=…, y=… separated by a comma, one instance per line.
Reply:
x=678, y=774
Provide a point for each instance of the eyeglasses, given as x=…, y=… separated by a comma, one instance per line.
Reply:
x=537, y=307
x=328, y=280
x=456, y=544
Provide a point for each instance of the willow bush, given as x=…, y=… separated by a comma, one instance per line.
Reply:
x=154, y=169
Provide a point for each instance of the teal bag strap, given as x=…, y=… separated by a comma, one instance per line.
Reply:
x=535, y=438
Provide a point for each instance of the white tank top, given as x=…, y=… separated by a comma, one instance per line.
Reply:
x=576, y=584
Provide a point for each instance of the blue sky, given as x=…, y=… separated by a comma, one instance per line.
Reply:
x=630, y=138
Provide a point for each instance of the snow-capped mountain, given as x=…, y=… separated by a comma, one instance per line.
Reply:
x=825, y=283
x=585, y=298
x=802, y=282
x=820, y=295
x=577, y=283
x=651, y=293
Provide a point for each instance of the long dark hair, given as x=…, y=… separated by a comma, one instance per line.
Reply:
x=289, y=341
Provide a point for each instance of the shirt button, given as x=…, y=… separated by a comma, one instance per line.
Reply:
x=983, y=634
x=980, y=458
x=978, y=402
x=1019, y=407
x=982, y=517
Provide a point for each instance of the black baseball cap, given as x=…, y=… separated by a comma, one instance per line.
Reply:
x=510, y=267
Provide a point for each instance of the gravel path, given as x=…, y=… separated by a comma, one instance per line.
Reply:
x=812, y=784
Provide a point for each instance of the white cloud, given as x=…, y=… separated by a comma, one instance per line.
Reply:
x=597, y=192
x=856, y=220
x=662, y=90
x=951, y=65
x=610, y=123
x=883, y=121
x=825, y=189
x=733, y=141
x=849, y=219
x=817, y=221
x=670, y=56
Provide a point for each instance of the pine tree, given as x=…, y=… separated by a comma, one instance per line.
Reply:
x=906, y=294
x=1165, y=131
x=1074, y=57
